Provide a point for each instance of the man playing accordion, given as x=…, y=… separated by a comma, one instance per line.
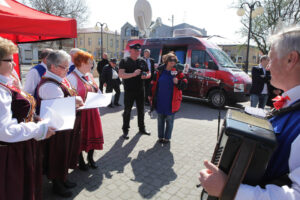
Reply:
x=285, y=71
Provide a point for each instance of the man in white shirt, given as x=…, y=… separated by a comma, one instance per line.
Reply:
x=35, y=74
x=285, y=69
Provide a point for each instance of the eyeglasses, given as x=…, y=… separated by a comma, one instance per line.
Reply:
x=8, y=60
x=64, y=68
x=172, y=60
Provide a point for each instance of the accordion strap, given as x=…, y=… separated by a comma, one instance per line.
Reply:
x=238, y=170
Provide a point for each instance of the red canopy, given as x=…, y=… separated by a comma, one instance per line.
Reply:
x=22, y=24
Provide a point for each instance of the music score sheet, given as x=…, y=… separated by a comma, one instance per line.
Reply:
x=96, y=100
x=59, y=113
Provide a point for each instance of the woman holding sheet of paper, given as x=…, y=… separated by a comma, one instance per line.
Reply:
x=82, y=80
x=62, y=150
x=19, y=167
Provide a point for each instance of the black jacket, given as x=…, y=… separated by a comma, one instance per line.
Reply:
x=258, y=81
x=101, y=65
x=106, y=76
x=152, y=67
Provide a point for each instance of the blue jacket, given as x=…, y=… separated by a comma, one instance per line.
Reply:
x=286, y=128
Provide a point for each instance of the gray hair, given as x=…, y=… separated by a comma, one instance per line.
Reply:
x=45, y=53
x=57, y=57
x=286, y=41
x=264, y=57
x=74, y=50
x=147, y=50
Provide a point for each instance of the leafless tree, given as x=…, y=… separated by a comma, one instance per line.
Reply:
x=77, y=9
x=277, y=15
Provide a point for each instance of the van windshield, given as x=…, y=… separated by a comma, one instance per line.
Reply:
x=222, y=58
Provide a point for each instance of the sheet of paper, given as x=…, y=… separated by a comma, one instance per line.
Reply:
x=59, y=113
x=256, y=111
x=96, y=100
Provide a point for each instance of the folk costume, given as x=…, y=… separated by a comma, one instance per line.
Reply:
x=20, y=162
x=91, y=127
x=61, y=150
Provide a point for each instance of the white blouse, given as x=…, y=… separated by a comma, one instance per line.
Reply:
x=10, y=130
x=51, y=90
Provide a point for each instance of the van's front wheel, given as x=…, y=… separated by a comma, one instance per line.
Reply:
x=217, y=98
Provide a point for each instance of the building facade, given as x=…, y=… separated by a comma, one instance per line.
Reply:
x=89, y=39
x=237, y=51
x=129, y=32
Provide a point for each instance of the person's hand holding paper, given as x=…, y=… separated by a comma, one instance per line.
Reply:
x=96, y=100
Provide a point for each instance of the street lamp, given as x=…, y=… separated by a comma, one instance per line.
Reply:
x=106, y=29
x=253, y=13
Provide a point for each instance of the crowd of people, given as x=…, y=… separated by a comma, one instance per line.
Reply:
x=30, y=148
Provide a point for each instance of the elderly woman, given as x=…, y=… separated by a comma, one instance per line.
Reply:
x=91, y=136
x=19, y=168
x=62, y=150
x=167, y=83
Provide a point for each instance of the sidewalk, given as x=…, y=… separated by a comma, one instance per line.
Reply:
x=141, y=168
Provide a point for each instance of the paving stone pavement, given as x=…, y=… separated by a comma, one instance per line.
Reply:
x=141, y=168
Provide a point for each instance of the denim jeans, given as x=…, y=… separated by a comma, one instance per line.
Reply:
x=165, y=131
x=260, y=99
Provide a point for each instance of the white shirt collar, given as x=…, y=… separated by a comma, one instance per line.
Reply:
x=54, y=76
x=4, y=79
x=294, y=95
x=44, y=65
x=71, y=63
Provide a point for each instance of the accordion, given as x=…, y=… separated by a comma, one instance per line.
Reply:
x=243, y=150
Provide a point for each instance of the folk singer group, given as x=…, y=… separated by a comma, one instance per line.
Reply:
x=30, y=148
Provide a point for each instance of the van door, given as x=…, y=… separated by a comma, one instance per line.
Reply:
x=196, y=73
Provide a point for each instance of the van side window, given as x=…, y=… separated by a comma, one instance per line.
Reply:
x=199, y=59
x=154, y=53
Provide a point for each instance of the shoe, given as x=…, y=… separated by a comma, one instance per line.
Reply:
x=110, y=105
x=68, y=184
x=117, y=104
x=82, y=165
x=161, y=140
x=125, y=135
x=166, y=141
x=90, y=159
x=59, y=189
x=144, y=132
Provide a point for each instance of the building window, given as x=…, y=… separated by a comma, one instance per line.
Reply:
x=99, y=41
x=111, y=42
x=80, y=41
x=127, y=32
x=90, y=41
x=117, y=43
x=28, y=55
x=254, y=58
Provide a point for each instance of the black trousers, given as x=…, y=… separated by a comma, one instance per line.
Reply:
x=101, y=84
x=147, y=89
x=129, y=98
x=116, y=87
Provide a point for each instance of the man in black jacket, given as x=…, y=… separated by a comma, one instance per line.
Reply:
x=150, y=64
x=100, y=67
x=133, y=70
x=111, y=80
x=260, y=81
